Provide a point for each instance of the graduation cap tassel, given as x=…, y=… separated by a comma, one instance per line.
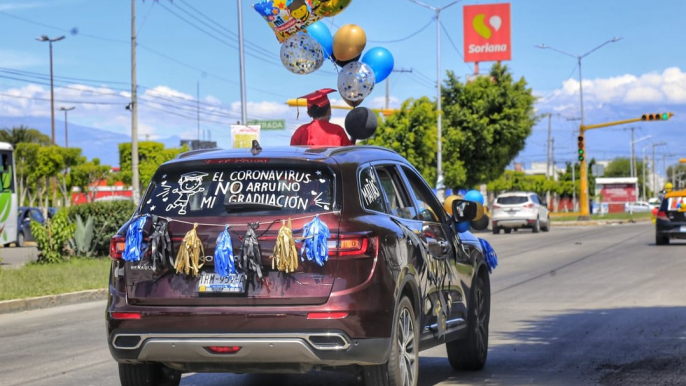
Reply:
x=285, y=257
x=160, y=245
x=223, y=254
x=251, y=257
x=489, y=253
x=134, y=239
x=315, y=235
x=188, y=258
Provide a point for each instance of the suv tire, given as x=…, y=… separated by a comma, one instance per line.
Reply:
x=536, y=227
x=20, y=239
x=661, y=239
x=402, y=368
x=496, y=230
x=546, y=228
x=470, y=353
x=151, y=374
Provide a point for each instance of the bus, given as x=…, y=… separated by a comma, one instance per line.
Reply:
x=8, y=195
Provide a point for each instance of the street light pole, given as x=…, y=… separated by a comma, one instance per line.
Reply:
x=44, y=38
x=66, y=128
x=633, y=160
x=583, y=194
x=440, y=185
x=652, y=166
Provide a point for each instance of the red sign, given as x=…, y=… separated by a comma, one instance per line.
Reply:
x=619, y=193
x=487, y=33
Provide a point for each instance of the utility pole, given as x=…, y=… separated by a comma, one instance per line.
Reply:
x=547, y=161
x=573, y=187
x=44, y=38
x=388, y=97
x=66, y=128
x=198, y=108
x=631, y=162
x=244, y=103
x=134, y=110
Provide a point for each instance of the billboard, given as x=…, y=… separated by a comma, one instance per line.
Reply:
x=242, y=136
x=487, y=32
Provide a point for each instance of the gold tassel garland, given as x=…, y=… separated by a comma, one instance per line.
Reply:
x=285, y=257
x=190, y=252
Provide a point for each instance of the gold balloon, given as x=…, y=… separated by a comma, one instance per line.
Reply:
x=448, y=203
x=328, y=8
x=349, y=42
x=479, y=212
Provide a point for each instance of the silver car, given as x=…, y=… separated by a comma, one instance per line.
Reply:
x=516, y=210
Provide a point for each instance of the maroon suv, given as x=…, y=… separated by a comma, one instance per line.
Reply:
x=396, y=277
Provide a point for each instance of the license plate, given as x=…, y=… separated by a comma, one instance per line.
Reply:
x=683, y=228
x=213, y=283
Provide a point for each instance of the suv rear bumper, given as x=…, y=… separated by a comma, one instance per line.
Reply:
x=258, y=351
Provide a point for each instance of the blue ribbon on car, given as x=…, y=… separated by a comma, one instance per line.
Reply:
x=223, y=254
x=315, y=237
x=489, y=254
x=134, y=239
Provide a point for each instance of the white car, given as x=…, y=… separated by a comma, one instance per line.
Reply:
x=633, y=207
x=516, y=210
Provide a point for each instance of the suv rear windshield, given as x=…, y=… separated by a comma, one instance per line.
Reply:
x=673, y=203
x=218, y=190
x=512, y=200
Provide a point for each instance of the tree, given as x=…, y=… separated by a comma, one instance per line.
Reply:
x=23, y=134
x=488, y=121
x=85, y=174
x=25, y=156
x=620, y=167
x=412, y=133
x=150, y=156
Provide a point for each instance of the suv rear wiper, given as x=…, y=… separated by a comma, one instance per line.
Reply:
x=238, y=206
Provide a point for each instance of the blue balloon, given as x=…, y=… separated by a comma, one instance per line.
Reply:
x=474, y=196
x=320, y=32
x=381, y=62
x=461, y=227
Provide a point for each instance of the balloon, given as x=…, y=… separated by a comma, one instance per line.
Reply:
x=328, y=8
x=286, y=18
x=462, y=226
x=479, y=224
x=320, y=32
x=355, y=81
x=301, y=54
x=381, y=61
x=349, y=42
x=342, y=63
x=479, y=212
x=474, y=195
x=448, y=203
x=351, y=103
x=361, y=123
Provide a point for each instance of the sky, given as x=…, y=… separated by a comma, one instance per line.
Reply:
x=189, y=48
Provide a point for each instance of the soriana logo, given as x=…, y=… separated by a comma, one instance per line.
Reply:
x=487, y=32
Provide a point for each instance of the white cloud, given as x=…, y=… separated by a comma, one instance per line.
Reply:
x=21, y=5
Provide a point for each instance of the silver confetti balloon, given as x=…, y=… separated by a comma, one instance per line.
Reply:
x=301, y=54
x=356, y=81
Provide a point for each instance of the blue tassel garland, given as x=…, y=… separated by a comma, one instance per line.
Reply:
x=134, y=239
x=315, y=235
x=223, y=254
x=489, y=254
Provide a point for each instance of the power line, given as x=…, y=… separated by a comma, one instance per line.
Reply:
x=62, y=100
x=455, y=47
x=406, y=37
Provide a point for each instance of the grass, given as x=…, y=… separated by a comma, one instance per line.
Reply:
x=50, y=279
x=609, y=216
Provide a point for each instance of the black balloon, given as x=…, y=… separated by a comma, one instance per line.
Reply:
x=361, y=123
x=480, y=224
x=342, y=63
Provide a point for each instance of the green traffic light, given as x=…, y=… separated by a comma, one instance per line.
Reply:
x=581, y=158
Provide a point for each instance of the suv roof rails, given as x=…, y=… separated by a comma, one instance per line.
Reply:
x=195, y=152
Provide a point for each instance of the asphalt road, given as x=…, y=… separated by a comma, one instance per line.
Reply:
x=575, y=306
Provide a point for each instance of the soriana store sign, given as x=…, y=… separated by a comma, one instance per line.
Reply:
x=487, y=33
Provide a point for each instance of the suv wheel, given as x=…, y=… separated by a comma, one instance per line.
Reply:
x=507, y=230
x=470, y=353
x=536, y=227
x=546, y=228
x=148, y=375
x=661, y=239
x=402, y=368
x=496, y=230
x=20, y=239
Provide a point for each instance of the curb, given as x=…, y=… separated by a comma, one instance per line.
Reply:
x=19, y=305
x=598, y=222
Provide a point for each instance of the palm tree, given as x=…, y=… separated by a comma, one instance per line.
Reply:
x=21, y=134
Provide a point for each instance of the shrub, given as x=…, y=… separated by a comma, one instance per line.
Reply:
x=52, y=237
x=108, y=217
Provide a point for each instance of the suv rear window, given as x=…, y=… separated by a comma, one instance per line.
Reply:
x=673, y=203
x=512, y=200
x=179, y=191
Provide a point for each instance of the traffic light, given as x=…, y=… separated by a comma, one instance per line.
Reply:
x=582, y=148
x=656, y=117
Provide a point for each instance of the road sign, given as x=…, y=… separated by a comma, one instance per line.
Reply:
x=273, y=124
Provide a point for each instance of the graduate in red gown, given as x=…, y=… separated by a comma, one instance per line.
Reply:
x=320, y=132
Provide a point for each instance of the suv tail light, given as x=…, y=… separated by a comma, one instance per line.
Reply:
x=495, y=206
x=117, y=246
x=529, y=205
x=354, y=245
x=662, y=216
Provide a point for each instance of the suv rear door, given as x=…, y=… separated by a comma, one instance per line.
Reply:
x=235, y=192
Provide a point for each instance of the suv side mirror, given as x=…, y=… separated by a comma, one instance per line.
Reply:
x=464, y=210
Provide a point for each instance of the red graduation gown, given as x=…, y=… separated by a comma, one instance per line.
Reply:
x=320, y=133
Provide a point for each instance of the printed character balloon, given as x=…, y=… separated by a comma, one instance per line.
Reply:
x=355, y=81
x=286, y=17
x=301, y=54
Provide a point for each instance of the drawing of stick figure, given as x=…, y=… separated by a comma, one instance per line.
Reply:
x=189, y=185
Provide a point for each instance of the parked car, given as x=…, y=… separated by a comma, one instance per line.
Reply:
x=641, y=206
x=24, y=216
x=671, y=218
x=398, y=279
x=517, y=210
